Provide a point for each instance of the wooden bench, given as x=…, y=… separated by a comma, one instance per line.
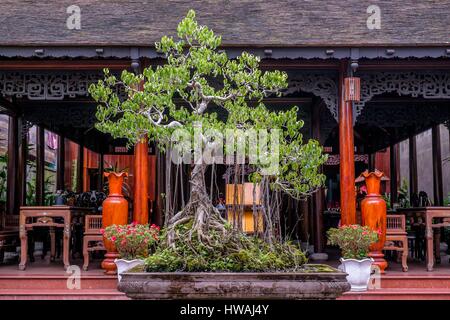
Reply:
x=396, y=237
x=92, y=227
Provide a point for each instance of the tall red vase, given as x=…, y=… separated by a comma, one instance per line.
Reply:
x=115, y=211
x=373, y=210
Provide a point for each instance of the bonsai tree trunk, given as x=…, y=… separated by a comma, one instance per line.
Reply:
x=199, y=210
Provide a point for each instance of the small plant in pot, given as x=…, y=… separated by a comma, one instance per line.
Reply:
x=134, y=242
x=354, y=241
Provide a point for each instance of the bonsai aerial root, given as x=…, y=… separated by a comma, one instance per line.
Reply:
x=205, y=218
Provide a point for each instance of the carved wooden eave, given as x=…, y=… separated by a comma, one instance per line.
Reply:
x=323, y=85
x=428, y=85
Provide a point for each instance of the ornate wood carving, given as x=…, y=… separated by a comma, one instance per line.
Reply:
x=429, y=85
x=320, y=84
x=48, y=85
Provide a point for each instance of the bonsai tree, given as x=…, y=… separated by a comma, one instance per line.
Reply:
x=197, y=80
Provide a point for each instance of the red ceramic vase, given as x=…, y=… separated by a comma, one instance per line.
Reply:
x=115, y=211
x=373, y=210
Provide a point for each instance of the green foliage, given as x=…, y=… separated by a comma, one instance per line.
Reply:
x=354, y=240
x=403, y=194
x=115, y=168
x=447, y=200
x=201, y=75
x=254, y=255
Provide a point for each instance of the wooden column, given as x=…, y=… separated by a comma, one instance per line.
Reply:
x=60, y=165
x=21, y=185
x=140, y=201
x=318, y=197
x=413, y=181
x=101, y=163
x=437, y=166
x=371, y=164
x=393, y=160
x=303, y=207
x=40, y=165
x=160, y=171
x=346, y=152
x=11, y=183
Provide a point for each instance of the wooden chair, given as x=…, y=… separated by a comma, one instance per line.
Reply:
x=93, y=224
x=395, y=235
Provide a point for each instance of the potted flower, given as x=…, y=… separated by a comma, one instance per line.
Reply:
x=133, y=242
x=354, y=241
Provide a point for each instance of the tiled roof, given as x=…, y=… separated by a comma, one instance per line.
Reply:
x=242, y=22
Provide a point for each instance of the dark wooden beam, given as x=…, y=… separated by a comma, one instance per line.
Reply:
x=404, y=64
x=60, y=163
x=300, y=64
x=305, y=233
x=371, y=164
x=393, y=159
x=40, y=165
x=160, y=178
x=12, y=200
x=437, y=166
x=9, y=108
x=64, y=64
x=413, y=180
x=80, y=168
x=101, y=163
x=318, y=198
x=21, y=176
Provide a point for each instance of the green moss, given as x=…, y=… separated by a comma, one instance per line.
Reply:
x=318, y=268
x=251, y=255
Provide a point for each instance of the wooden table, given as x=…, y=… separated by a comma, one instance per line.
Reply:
x=52, y=217
x=428, y=214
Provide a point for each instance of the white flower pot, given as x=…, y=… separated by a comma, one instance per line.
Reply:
x=358, y=272
x=124, y=265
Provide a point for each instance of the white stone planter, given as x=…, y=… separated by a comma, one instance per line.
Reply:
x=358, y=272
x=124, y=265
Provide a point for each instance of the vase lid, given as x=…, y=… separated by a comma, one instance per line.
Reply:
x=367, y=174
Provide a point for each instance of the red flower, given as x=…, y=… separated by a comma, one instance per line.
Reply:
x=113, y=238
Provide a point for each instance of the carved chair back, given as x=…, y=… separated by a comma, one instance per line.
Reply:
x=395, y=224
x=93, y=224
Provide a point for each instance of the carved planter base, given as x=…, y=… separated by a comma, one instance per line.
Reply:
x=245, y=285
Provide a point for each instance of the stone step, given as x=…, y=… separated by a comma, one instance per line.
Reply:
x=399, y=294
x=415, y=281
x=56, y=282
x=86, y=294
